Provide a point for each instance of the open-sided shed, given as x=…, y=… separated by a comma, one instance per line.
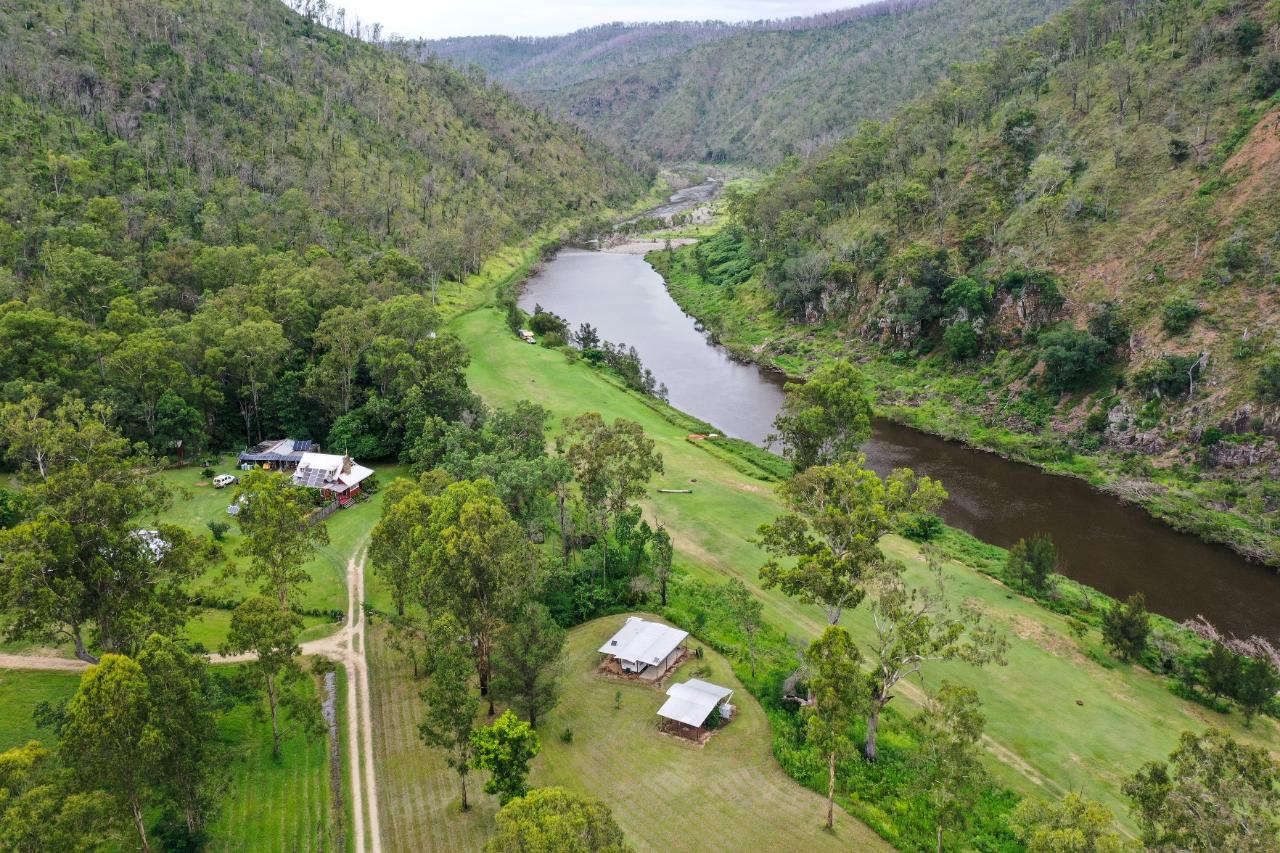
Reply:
x=693, y=701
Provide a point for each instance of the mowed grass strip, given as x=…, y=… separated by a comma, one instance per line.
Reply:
x=1042, y=741
x=274, y=805
x=268, y=805
x=418, y=794
x=665, y=793
x=21, y=691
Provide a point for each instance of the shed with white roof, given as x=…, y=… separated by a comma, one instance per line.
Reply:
x=640, y=645
x=693, y=701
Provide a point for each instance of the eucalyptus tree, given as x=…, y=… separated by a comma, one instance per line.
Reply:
x=826, y=548
x=82, y=566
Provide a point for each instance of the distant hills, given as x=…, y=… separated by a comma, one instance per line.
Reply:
x=1074, y=242
x=753, y=93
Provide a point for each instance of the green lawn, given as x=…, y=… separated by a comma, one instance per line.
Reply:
x=660, y=789
x=1042, y=740
x=268, y=805
x=20, y=692
x=275, y=805
x=196, y=503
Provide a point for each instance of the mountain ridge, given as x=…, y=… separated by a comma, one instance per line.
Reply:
x=734, y=93
x=1065, y=253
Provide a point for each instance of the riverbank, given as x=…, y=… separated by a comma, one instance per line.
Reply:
x=936, y=398
x=1043, y=741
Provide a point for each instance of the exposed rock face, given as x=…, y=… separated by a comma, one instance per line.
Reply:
x=1251, y=418
x=1227, y=455
x=1121, y=434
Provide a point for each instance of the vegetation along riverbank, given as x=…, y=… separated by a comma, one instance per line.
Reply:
x=1069, y=274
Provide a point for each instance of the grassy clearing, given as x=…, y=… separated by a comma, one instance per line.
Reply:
x=418, y=795
x=661, y=788
x=658, y=787
x=20, y=692
x=196, y=503
x=268, y=805
x=1042, y=741
x=275, y=805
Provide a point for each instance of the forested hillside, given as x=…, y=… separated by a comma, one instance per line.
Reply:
x=1065, y=252
x=746, y=93
x=227, y=221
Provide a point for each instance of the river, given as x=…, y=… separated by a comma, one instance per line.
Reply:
x=1111, y=545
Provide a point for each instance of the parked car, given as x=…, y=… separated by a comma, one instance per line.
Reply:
x=223, y=480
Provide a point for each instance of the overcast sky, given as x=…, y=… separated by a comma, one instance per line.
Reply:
x=442, y=18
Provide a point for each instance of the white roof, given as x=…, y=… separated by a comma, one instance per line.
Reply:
x=320, y=470
x=691, y=703
x=644, y=641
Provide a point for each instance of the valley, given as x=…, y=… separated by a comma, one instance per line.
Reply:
x=847, y=431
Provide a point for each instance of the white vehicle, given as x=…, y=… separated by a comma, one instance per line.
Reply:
x=223, y=480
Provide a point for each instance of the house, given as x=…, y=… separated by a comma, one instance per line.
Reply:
x=645, y=647
x=336, y=477
x=692, y=702
x=282, y=454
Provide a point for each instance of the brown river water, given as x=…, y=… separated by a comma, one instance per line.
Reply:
x=1104, y=542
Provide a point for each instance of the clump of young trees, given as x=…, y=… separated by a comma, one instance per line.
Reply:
x=480, y=607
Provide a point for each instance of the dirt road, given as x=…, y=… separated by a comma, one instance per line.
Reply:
x=345, y=647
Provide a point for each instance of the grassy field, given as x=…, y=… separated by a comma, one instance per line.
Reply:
x=418, y=794
x=269, y=805
x=1042, y=741
x=659, y=788
x=664, y=790
x=196, y=503
x=275, y=805
x=20, y=692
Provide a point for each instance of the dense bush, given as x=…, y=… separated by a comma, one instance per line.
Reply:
x=1177, y=315
x=1168, y=376
x=1071, y=358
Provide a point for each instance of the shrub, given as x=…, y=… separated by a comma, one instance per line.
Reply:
x=1031, y=561
x=566, y=736
x=1127, y=627
x=961, y=340
x=544, y=322
x=1178, y=314
x=218, y=529
x=1179, y=150
x=1268, y=382
x=1266, y=78
x=1170, y=376
x=1071, y=358
x=1108, y=324
x=208, y=473
x=923, y=528
x=1246, y=35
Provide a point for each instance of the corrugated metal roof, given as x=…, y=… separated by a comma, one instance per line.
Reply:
x=692, y=702
x=644, y=641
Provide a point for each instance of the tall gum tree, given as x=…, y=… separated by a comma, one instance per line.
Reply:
x=89, y=564
x=826, y=548
x=474, y=563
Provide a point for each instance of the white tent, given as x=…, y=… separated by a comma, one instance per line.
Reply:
x=640, y=644
x=692, y=702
